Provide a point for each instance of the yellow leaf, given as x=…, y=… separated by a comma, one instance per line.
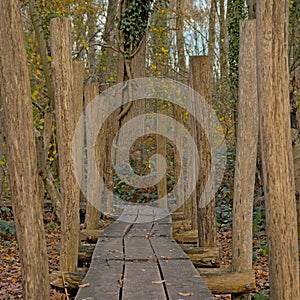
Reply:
x=153, y=66
x=164, y=50
x=34, y=94
x=2, y=162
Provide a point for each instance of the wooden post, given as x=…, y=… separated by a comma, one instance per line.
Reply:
x=92, y=216
x=61, y=47
x=178, y=168
x=277, y=160
x=22, y=156
x=247, y=138
x=78, y=78
x=162, y=193
x=190, y=210
x=200, y=81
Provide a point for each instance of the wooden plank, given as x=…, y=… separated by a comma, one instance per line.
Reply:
x=167, y=248
x=145, y=215
x=117, y=229
x=183, y=225
x=142, y=229
x=186, y=236
x=177, y=215
x=129, y=214
x=182, y=279
x=138, y=248
x=223, y=281
x=142, y=280
x=108, y=248
x=162, y=215
x=163, y=219
x=91, y=235
x=203, y=256
x=160, y=229
x=104, y=279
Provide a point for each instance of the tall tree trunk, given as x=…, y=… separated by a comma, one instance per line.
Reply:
x=246, y=153
x=251, y=9
x=279, y=186
x=61, y=47
x=108, y=60
x=91, y=37
x=201, y=76
x=212, y=33
x=92, y=215
x=3, y=149
x=46, y=181
x=223, y=42
x=16, y=97
x=181, y=59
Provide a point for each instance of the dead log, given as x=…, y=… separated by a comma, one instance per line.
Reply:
x=223, y=281
x=186, y=237
x=203, y=257
x=90, y=235
x=72, y=280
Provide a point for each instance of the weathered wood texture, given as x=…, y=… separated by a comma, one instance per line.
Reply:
x=61, y=49
x=141, y=265
x=247, y=137
x=278, y=173
x=162, y=193
x=203, y=257
x=78, y=80
x=92, y=216
x=200, y=81
x=223, y=281
x=25, y=193
x=246, y=153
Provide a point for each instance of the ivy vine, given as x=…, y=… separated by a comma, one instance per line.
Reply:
x=134, y=23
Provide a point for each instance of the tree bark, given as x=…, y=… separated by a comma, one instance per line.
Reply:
x=92, y=216
x=251, y=9
x=247, y=138
x=223, y=43
x=3, y=149
x=61, y=46
x=180, y=42
x=200, y=81
x=78, y=80
x=16, y=97
x=279, y=186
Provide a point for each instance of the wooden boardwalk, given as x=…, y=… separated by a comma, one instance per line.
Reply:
x=136, y=258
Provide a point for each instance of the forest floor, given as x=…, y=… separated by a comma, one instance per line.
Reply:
x=10, y=269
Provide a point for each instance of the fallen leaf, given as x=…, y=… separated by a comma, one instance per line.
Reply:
x=120, y=281
x=168, y=283
x=84, y=285
x=185, y=294
x=158, y=282
x=143, y=270
x=166, y=257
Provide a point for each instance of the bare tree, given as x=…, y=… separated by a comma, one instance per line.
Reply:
x=26, y=201
x=273, y=92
